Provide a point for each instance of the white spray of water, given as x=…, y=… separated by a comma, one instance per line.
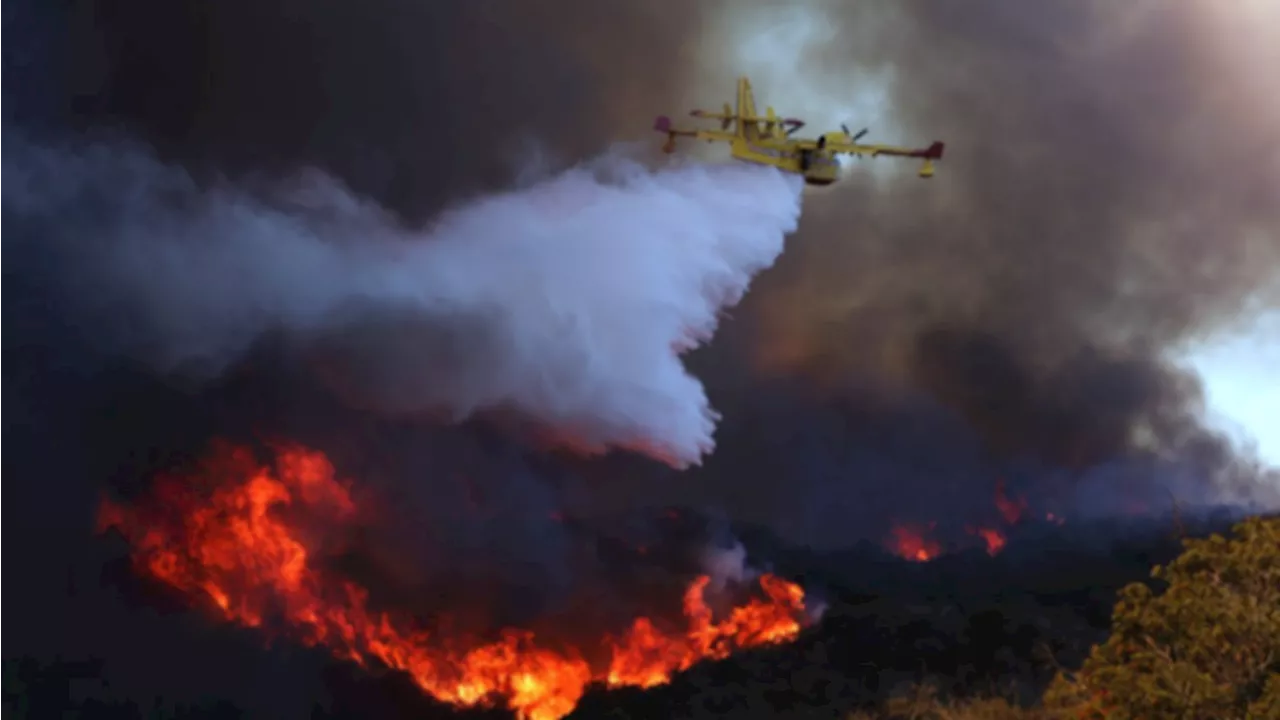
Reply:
x=570, y=301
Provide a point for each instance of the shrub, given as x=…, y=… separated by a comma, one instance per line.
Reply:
x=1205, y=647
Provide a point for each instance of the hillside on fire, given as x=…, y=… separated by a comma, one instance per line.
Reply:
x=978, y=638
x=373, y=360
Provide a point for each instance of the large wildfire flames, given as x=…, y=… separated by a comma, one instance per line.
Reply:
x=243, y=538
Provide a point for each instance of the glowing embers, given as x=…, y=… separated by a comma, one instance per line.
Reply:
x=918, y=542
x=912, y=542
x=244, y=539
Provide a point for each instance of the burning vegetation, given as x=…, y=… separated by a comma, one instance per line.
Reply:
x=916, y=542
x=243, y=539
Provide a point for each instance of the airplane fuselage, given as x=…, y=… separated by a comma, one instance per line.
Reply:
x=818, y=167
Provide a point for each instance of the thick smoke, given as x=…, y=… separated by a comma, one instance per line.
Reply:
x=392, y=101
x=569, y=302
x=1107, y=198
x=1110, y=185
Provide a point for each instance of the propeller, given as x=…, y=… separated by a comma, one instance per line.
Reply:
x=852, y=137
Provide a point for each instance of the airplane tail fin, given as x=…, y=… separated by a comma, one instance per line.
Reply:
x=930, y=155
x=746, y=108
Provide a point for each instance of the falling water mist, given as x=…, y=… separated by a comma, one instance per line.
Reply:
x=569, y=302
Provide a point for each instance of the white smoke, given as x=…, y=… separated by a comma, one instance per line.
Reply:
x=727, y=566
x=569, y=302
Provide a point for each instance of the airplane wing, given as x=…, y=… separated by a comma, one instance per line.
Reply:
x=663, y=124
x=933, y=152
x=928, y=154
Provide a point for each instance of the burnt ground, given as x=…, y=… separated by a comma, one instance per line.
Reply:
x=970, y=623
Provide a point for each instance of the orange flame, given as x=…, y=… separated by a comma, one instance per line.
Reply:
x=240, y=545
x=912, y=543
x=993, y=538
x=1011, y=509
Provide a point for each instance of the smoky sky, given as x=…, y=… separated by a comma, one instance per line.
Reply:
x=1077, y=229
x=1107, y=194
x=416, y=104
x=1022, y=301
x=246, y=97
x=1105, y=187
x=1103, y=199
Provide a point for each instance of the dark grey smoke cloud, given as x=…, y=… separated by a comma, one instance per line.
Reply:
x=1103, y=200
x=1098, y=204
x=413, y=104
x=1109, y=196
x=1104, y=187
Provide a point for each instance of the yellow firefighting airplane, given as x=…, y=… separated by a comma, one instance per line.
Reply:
x=767, y=141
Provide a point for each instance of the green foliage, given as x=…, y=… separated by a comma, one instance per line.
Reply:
x=1206, y=647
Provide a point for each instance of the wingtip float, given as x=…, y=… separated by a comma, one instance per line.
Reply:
x=767, y=140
